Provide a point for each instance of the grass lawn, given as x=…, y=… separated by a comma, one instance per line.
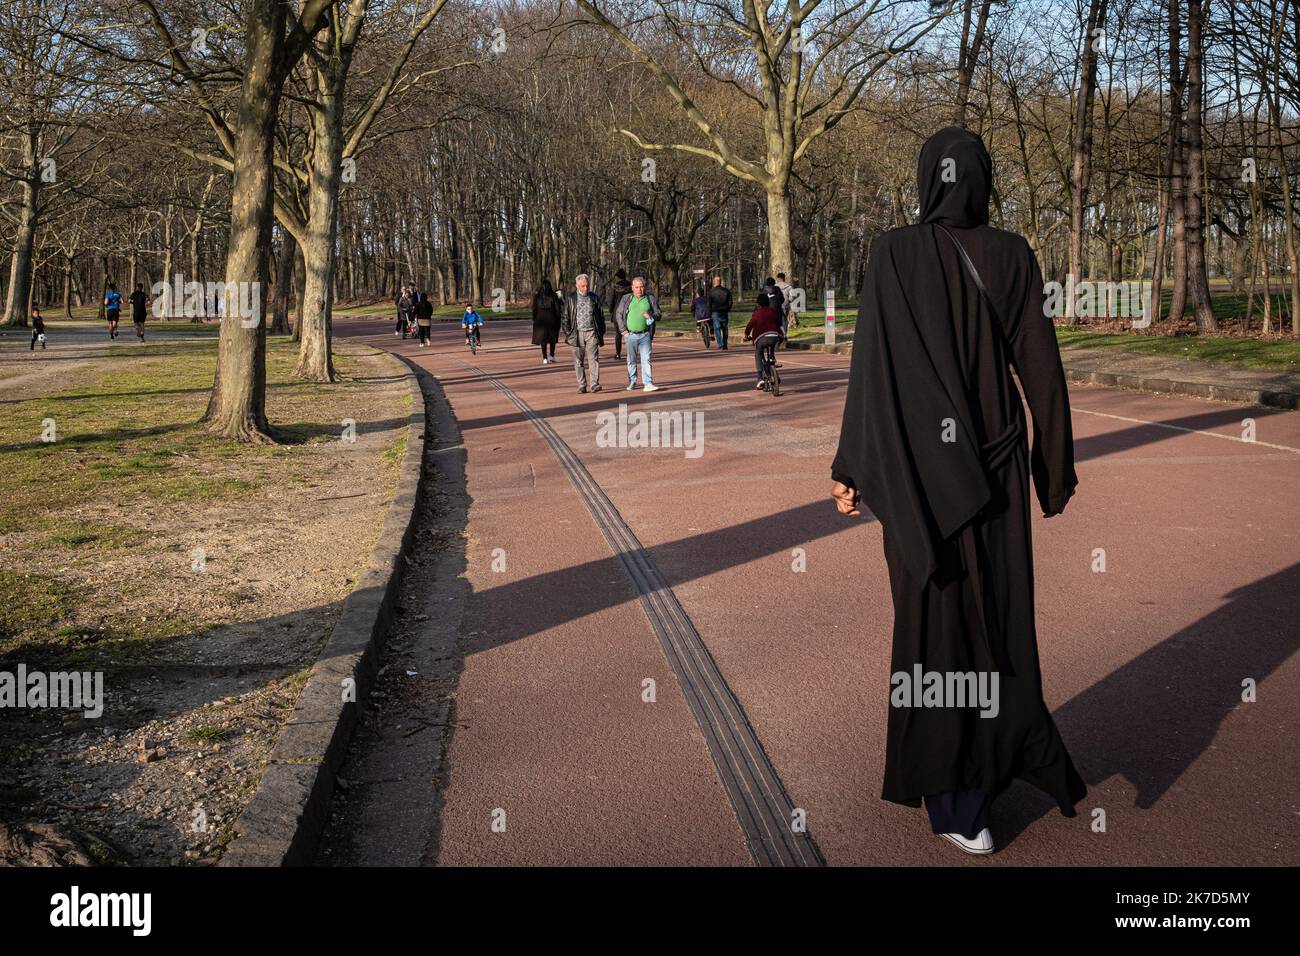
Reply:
x=1278, y=354
x=127, y=438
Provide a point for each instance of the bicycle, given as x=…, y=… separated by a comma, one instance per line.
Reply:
x=771, y=378
x=706, y=331
x=472, y=337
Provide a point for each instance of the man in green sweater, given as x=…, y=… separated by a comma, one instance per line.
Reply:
x=635, y=318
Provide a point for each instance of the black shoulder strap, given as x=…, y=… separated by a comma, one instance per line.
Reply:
x=970, y=266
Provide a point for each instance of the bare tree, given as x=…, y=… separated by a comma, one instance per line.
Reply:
x=800, y=67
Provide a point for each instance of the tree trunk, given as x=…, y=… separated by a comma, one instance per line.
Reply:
x=968, y=57
x=201, y=311
x=20, y=269
x=1293, y=260
x=237, y=408
x=67, y=287
x=283, y=283
x=315, y=362
x=1177, y=184
x=778, y=231
x=167, y=252
x=1198, y=275
x=299, y=291
x=1081, y=169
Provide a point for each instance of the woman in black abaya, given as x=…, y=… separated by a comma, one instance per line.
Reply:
x=547, y=310
x=933, y=442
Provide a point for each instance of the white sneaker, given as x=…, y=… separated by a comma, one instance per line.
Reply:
x=631, y=386
x=651, y=388
x=546, y=361
x=982, y=844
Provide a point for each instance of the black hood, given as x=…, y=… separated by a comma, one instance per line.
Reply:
x=954, y=193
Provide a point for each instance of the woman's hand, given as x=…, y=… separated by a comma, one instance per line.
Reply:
x=845, y=498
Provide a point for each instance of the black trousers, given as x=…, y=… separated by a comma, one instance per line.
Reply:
x=965, y=812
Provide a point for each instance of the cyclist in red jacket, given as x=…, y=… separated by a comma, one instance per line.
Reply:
x=764, y=323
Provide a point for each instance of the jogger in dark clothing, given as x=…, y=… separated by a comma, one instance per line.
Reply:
x=38, y=330
x=139, y=302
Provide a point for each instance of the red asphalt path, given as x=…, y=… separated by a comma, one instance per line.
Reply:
x=1143, y=664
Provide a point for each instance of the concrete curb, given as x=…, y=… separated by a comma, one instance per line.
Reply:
x=1237, y=394
x=284, y=819
x=839, y=348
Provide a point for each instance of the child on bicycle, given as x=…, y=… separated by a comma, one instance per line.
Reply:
x=472, y=323
x=764, y=323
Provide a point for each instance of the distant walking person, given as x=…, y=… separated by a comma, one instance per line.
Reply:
x=720, y=310
x=547, y=312
x=112, y=308
x=139, y=303
x=38, y=330
x=933, y=441
x=636, y=317
x=617, y=289
x=583, y=326
x=405, y=308
x=787, y=309
x=424, y=318
x=775, y=297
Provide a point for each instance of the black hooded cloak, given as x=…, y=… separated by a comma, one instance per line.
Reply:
x=547, y=310
x=934, y=440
